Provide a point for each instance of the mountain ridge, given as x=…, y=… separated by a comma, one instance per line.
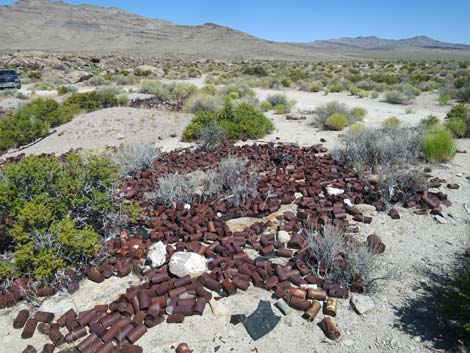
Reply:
x=56, y=26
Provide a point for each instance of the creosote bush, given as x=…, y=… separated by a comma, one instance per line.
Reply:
x=242, y=121
x=359, y=113
x=57, y=209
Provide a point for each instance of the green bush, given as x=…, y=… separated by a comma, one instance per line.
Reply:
x=444, y=99
x=243, y=121
x=266, y=106
x=34, y=120
x=439, y=145
x=91, y=101
x=458, y=120
x=430, y=121
x=359, y=113
x=391, y=122
x=336, y=121
x=56, y=210
x=315, y=87
x=357, y=128
x=457, y=126
x=396, y=97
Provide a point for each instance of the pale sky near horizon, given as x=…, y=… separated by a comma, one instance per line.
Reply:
x=308, y=20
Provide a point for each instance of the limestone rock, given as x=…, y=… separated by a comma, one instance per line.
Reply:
x=334, y=191
x=283, y=236
x=187, y=263
x=157, y=254
x=362, y=303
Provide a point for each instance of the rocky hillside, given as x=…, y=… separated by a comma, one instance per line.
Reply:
x=57, y=26
x=375, y=43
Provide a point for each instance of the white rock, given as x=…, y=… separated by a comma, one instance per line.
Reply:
x=298, y=195
x=348, y=202
x=219, y=309
x=362, y=303
x=365, y=208
x=157, y=254
x=440, y=219
x=459, y=174
x=187, y=263
x=334, y=191
x=283, y=236
x=120, y=136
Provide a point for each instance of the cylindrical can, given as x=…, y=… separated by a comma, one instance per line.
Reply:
x=330, y=307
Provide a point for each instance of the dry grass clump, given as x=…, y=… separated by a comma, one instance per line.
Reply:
x=335, y=257
x=232, y=180
x=133, y=159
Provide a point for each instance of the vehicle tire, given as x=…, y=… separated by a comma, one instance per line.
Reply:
x=18, y=86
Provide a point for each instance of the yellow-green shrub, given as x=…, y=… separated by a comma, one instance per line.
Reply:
x=336, y=121
x=439, y=145
x=391, y=122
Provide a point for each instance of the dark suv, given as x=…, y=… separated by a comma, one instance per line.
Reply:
x=9, y=79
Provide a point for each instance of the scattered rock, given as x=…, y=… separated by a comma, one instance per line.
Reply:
x=120, y=136
x=362, y=303
x=440, y=219
x=187, y=263
x=157, y=254
x=453, y=186
x=334, y=191
x=375, y=244
x=366, y=209
x=219, y=309
x=394, y=213
x=298, y=195
x=459, y=175
x=78, y=76
x=283, y=236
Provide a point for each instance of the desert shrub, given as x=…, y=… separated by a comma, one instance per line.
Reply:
x=57, y=208
x=63, y=90
x=210, y=137
x=331, y=255
x=444, y=99
x=374, y=94
x=10, y=92
x=336, y=87
x=155, y=88
x=243, y=121
x=430, y=121
x=265, y=106
x=255, y=71
x=203, y=103
x=439, y=145
x=409, y=110
x=336, y=121
x=357, y=127
x=315, y=87
x=232, y=180
x=453, y=298
x=136, y=158
x=379, y=147
x=463, y=94
x=91, y=101
x=276, y=99
x=238, y=179
x=359, y=113
x=391, y=123
x=35, y=75
x=396, y=97
x=457, y=127
x=323, y=112
x=174, y=189
x=458, y=120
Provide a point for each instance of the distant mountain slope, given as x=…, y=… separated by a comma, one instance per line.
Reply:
x=57, y=26
x=375, y=43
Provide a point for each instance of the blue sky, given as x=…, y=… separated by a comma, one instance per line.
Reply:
x=306, y=20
